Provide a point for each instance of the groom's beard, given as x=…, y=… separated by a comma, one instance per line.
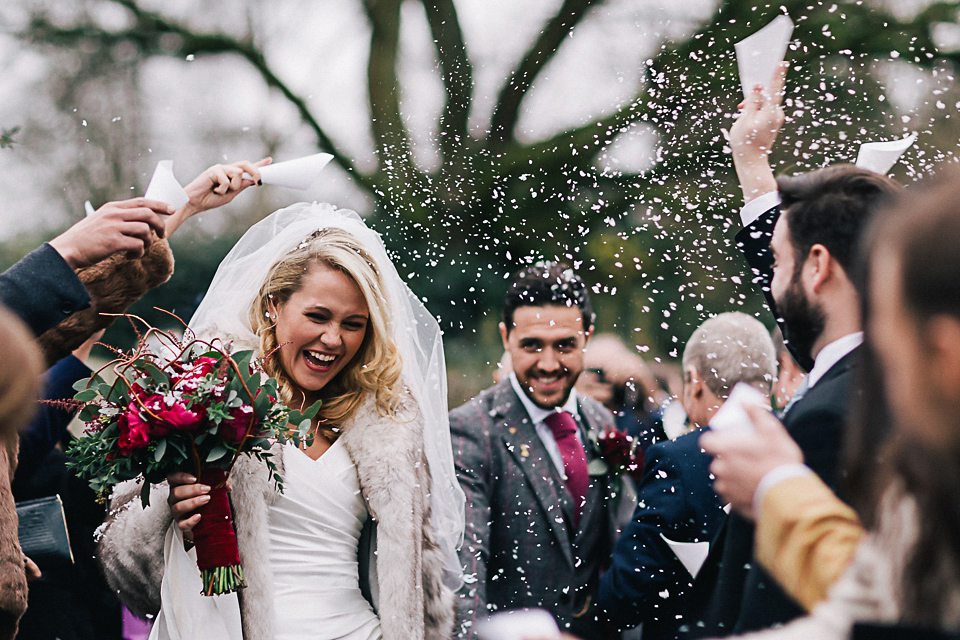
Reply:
x=803, y=323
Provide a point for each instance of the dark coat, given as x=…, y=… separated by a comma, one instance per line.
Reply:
x=42, y=289
x=50, y=422
x=646, y=583
x=521, y=548
x=733, y=594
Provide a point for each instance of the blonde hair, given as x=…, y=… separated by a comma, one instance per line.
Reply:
x=376, y=367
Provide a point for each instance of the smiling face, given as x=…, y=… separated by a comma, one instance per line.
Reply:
x=320, y=327
x=546, y=346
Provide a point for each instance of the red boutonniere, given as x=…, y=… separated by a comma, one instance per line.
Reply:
x=619, y=454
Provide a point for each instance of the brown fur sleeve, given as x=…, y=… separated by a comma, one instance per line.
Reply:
x=114, y=284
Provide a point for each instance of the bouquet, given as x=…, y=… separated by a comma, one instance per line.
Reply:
x=195, y=410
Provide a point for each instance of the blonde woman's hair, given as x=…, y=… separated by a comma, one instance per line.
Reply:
x=376, y=367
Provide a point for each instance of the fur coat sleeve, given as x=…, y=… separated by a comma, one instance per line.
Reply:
x=131, y=546
x=114, y=284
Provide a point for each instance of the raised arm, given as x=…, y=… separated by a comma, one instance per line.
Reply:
x=215, y=187
x=753, y=135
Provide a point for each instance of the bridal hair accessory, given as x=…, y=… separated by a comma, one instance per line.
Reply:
x=195, y=409
x=225, y=313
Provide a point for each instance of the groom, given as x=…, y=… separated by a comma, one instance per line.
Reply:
x=539, y=525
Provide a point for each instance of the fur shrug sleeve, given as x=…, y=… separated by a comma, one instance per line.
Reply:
x=131, y=546
x=114, y=284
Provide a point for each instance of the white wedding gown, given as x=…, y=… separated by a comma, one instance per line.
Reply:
x=314, y=532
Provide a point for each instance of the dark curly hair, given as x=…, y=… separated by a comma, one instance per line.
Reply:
x=546, y=283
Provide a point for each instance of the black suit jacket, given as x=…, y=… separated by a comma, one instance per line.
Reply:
x=42, y=289
x=675, y=498
x=732, y=593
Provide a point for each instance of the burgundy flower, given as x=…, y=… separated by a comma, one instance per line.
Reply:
x=134, y=431
x=178, y=417
x=621, y=453
x=188, y=375
x=615, y=447
x=235, y=428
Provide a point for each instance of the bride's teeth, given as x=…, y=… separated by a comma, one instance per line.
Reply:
x=320, y=357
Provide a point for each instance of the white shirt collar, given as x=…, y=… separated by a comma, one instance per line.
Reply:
x=832, y=354
x=539, y=414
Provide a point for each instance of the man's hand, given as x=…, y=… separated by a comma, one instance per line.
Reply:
x=742, y=460
x=753, y=135
x=125, y=226
x=215, y=187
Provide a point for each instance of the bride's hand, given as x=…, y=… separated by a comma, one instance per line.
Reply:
x=214, y=188
x=186, y=496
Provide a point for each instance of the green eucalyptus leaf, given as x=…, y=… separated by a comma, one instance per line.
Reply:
x=216, y=453
x=160, y=450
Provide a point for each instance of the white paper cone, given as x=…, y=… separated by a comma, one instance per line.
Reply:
x=881, y=156
x=519, y=624
x=165, y=188
x=731, y=416
x=759, y=55
x=691, y=554
x=294, y=174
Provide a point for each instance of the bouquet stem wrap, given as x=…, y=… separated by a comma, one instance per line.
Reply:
x=215, y=540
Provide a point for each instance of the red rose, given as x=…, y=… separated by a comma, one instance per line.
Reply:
x=178, y=417
x=235, y=428
x=189, y=373
x=151, y=405
x=616, y=447
x=134, y=431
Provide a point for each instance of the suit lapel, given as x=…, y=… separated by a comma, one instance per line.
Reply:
x=530, y=456
x=842, y=365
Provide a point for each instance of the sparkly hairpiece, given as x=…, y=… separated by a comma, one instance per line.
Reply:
x=360, y=251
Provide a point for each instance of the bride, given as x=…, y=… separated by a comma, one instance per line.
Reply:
x=361, y=543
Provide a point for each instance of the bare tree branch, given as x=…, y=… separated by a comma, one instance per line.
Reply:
x=585, y=140
x=399, y=180
x=511, y=96
x=457, y=74
x=146, y=33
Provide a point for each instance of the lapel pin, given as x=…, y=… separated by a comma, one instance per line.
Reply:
x=513, y=430
x=524, y=451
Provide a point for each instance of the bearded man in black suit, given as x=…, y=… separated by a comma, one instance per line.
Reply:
x=800, y=236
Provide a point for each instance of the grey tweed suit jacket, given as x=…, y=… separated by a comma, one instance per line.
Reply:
x=521, y=548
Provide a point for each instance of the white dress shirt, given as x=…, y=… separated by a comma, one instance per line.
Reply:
x=755, y=208
x=538, y=415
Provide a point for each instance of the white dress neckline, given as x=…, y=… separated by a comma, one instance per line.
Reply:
x=314, y=529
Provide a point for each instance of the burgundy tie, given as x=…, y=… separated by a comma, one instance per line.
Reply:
x=564, y=429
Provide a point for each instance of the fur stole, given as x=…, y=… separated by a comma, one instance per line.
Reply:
x=114, y=284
